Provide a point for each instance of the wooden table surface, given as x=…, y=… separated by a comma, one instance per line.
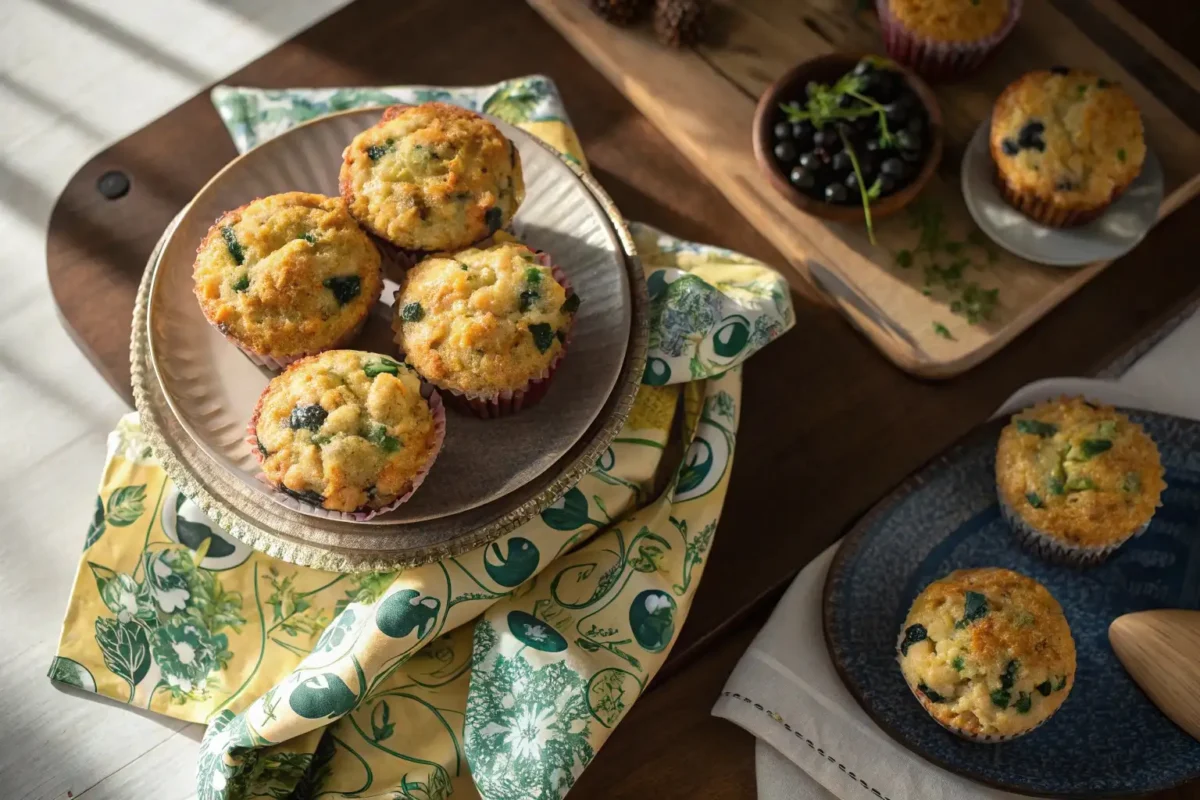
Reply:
x=832, y=425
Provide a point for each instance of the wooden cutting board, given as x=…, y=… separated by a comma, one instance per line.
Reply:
x=703, y=99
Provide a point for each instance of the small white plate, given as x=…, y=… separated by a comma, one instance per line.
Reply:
x=1110, y=236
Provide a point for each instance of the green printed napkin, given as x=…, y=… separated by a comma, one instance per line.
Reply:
x=497, y=673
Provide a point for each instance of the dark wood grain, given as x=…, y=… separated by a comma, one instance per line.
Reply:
x=831, y=424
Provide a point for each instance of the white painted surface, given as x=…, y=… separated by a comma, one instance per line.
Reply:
x=75, y=76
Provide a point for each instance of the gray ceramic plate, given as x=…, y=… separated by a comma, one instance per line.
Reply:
x=212, y=388
x=238, y=507
x=1111, y=236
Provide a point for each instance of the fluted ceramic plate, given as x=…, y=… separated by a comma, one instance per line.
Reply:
x=212, y=388
x=1111, y=235
x=1108, y=739
x=238, y=508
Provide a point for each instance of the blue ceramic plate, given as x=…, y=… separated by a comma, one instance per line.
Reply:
x=1107, y=739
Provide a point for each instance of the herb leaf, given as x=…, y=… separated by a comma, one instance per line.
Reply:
x=571, y=304
x=933, y=696
x=975, y=608
x=1089, y=448
x=378, y=151
x=1034, y=500
x=959, y=663
x=381, y=367
x=311, y=417
x=1024, y=703
x=543, y=336
x=344, y=287
x=1044, y=688
x=412, y=312
x=912, y=635
x=533, y=276
x=1000, y=697
x=379, y=437
x=529, y=298
x=942, y=331
x=1010, y=674
x=241, y=284
x=1036, y=427
x=232, y=245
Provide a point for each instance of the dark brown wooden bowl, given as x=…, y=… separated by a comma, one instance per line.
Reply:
x=827, y=69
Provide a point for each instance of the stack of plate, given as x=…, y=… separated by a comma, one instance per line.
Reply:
x=195, y=392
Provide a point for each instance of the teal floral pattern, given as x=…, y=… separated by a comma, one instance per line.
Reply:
x=526, y=731
x=255, y=115
x=501, y=670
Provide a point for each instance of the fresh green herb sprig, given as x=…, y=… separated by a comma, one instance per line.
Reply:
x=968, y=298
x=825, y=107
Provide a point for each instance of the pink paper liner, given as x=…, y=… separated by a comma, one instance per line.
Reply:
x=439, y=436
x=271, y=362
x=396, y=260
x=1045, y=212
x=932, y=58
x=500, y=403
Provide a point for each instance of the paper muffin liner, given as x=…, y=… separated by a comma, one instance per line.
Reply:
x=935, y=59
x=1054, y=549
x=439, y=436
x=396, y=260
x=1047, y=213
x=500, y=403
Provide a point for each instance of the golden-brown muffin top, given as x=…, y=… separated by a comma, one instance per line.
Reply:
x=287, y=275
x=988, y=651
x=432, y=177
x=483, y=320
x=1067, y=136
x=1080, y=472
x=345, y=430
x=952, y=20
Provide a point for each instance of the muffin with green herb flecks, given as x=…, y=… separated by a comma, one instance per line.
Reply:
x=1076, y=480
x=432, y=177
x=287, y=276
x=988, y=653
x=489, y=325
x=347, y=433
x=1066, y=143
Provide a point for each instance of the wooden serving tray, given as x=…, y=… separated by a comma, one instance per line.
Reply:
x=703, y=99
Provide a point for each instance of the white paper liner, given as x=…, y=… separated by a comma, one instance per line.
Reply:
x=439, y=436
x=935, y=59
x=1054, y=549
x=499, y=403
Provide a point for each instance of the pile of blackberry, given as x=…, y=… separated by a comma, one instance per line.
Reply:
x=811, y=133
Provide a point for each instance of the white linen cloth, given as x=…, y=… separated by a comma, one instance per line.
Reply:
x=814, y=741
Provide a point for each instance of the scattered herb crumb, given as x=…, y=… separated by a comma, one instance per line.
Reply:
x=1121, y=156
x=942, y=331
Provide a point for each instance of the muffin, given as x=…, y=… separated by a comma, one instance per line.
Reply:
x=988, y=653
x=945, y=38
x=347, y=433
x=287, y=276
x=1077, y=480
x=1066, y=143
x=488, y=325
x=432, y=177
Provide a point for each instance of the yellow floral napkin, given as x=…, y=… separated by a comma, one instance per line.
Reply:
x=496, y=673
